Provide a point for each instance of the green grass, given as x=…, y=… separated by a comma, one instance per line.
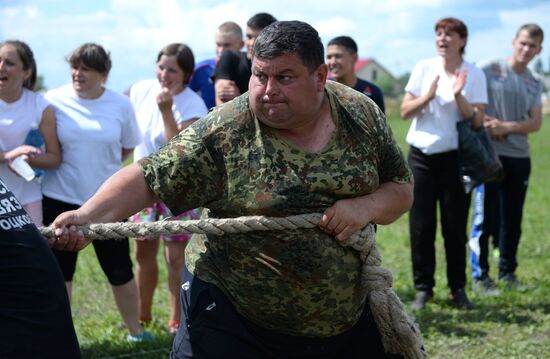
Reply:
x=513, y=325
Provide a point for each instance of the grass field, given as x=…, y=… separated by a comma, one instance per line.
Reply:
x=513, y=325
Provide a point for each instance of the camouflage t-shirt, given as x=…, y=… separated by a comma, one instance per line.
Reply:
x=299, y=282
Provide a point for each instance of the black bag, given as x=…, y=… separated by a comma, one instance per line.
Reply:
x=477, y=160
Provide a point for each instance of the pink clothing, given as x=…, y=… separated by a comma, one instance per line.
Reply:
x=159, y=212
x=34, y=210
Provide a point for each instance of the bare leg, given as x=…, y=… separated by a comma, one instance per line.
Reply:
x=174, y=252
x=146, y=275
x=126, y=298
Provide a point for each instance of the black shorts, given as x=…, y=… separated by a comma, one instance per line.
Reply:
x=113, y=254
x=212, y=328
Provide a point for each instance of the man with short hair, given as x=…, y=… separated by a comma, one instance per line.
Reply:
x=341, y=59
x=229, y=36
x=253, y=27
x=233, y=70
x=513, y=112
x=293, y=144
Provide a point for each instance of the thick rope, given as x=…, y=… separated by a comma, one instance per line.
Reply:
x=399, y=333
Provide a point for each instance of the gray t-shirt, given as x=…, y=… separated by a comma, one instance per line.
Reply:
x=511, y=96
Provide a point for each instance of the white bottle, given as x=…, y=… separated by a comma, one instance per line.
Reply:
x=22, y=168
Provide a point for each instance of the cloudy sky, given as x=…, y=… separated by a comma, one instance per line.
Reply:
x=397, y=33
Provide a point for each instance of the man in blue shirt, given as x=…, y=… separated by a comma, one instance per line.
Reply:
x=228, y=37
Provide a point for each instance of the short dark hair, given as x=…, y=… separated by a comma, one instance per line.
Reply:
x=184, y=57
x=453, y=24
x=92, y=56
x=533, y=30
x=260, y=21
x=287, y=37
x=344, y=41
x=27, y=58
x=230, y=27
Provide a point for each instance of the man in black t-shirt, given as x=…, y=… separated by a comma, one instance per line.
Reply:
x=35, y=317
x=232, y=71
x=341, y=59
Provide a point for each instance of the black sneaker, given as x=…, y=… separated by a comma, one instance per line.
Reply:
x=460, y=300
x=422, y=298
x=511, y=282
x=485, y=287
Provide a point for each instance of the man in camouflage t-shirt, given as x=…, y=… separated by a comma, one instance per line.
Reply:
x=294, y=144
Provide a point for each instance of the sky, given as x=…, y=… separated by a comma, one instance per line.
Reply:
x=396, y=33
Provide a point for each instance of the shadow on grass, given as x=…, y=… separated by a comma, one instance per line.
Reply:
x=124, y=350
x=441, y=318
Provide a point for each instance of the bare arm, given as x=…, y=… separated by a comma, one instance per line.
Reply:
x=412, y=104
x=52, y=157
x=226, y=90
x=23, y=150
x=122, y=195
x=164, y=102
x=498, y=128
x=474, y=112
x=182, y=126
x=171, y=128
x=33, y=155
x=382, y=206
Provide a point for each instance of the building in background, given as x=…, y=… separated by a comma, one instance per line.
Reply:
x=371, y=70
